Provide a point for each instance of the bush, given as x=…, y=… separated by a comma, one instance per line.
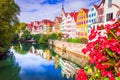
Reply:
x=104, y=54
x=77, y=40
x=44, y=39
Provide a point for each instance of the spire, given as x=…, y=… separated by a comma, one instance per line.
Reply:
x=62, y=11
x=62, y=7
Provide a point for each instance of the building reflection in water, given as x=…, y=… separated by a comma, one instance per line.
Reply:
x=46, y=54
x=68, y=68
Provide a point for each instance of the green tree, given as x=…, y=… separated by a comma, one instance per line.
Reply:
x=21, y=27
x=36, y=37
x=8, y=20
x=44, y=39
x=26, y=35
x=53, y=36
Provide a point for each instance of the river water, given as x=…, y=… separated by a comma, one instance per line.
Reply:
x=35, y=62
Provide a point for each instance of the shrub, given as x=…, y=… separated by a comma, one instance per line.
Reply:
x=104, y=54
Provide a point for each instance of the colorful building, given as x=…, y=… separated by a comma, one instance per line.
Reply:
x=71, y=24
x=92, y=16
x=35, y=27
x=57, y=22
x=47, y=26
x=107, y=10
x=82, y=23
x=101, y=12
x=111, y=10
x=63, y=22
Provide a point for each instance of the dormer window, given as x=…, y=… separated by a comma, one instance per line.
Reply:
x=92, y=9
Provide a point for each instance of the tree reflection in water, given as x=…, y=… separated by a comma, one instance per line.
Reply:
x=9, y=69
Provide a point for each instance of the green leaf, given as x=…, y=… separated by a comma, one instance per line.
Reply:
x=86, y=67
x=117, y=78
x=109, y=52
x=90, y=70
x=97, y=74
x=116, y=37
x=105, y=78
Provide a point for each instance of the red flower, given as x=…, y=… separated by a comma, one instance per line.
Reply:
x=93, y=34
x=84, y=50
x=118, y=74
x=81, y=75
x=108, y=28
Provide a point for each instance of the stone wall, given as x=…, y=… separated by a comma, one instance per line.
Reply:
x=72, y=47
x=71, y=51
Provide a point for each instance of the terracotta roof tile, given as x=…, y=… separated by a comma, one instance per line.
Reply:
x=46, y=22
x=74, y=15
x=96, y=7
x=59, y=19
x=103, y=1
x=86, y=10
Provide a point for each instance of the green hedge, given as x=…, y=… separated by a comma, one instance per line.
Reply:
x=78, y=40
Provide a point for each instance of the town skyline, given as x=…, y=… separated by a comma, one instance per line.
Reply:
x=34, y=10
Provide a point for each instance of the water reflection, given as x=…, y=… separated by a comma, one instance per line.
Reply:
x=38, y=63
x=68, y=68
x=9, y=69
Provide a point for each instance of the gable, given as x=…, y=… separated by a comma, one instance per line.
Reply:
x=92, y=9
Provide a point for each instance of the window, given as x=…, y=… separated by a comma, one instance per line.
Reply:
x=94, y=20
x=109, y=16
x=92, y=9
x=89, y=15
x=89, y=21
x=94, y=14
x=109, y=3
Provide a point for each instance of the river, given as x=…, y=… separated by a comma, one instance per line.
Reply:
x=35, y=62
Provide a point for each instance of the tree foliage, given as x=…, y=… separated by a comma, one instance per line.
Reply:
x=26, y=35
x=8, y=20
x=21, y=27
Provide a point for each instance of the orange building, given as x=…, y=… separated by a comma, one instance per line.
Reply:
x=82, y=23
x=57, y=22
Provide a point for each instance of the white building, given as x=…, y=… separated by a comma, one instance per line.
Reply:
x=111, y=10
x=71, y=24
x=92, y=16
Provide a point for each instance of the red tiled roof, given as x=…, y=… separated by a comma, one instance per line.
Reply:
x=38, y=22
x=74, y=15
x=86, y=10
x=96, y=7
x=103, y=1
x=59, y=19
x=46, y=21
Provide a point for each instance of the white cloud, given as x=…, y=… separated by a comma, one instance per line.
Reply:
x=32, y=10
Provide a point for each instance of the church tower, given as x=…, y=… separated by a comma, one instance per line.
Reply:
x=62, y=11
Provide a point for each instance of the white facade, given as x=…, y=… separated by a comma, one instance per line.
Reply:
x=63, y=25
x=70, y=26
x=92, y=17
x=110, y=10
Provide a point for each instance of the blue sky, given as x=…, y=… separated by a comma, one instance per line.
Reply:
x=32, y=10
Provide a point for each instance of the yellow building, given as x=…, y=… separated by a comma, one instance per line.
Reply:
x=82, y=23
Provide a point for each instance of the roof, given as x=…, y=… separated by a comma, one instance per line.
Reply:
x=47, y=22
x=74, y=15
x=96, y=7
x=59, y=19
x=86, y=10
x=103, y=1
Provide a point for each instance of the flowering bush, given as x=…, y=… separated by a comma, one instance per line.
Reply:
x=104, y=54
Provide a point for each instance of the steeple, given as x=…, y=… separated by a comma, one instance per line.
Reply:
x=62, y=7
x=62, y=11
